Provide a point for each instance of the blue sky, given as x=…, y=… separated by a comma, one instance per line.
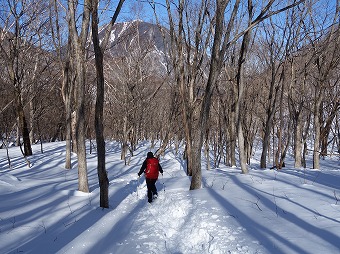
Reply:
x=134, y=9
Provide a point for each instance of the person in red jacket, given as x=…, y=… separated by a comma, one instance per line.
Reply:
x=151, y=169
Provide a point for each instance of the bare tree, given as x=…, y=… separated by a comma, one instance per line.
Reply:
x=21, y=46
x=324, y=44
x=99, y=49
x=135, y=80
x=78, y=45
x=196, y=108
x=64, y=60
x=297, y=71
x=240, y=90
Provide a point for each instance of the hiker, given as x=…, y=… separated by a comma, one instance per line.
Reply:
x=151, y=169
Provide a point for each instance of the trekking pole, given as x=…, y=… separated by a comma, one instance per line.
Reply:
x=137, y=186
x=163, y=184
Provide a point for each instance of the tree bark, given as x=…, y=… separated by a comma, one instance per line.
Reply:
x=24, y=129
x=317, y=127
x=239, y=101
x=298, y=143
x=68, y=86
x=78, y=44
x=233, y=135
x=102, y=175
x=99, y=127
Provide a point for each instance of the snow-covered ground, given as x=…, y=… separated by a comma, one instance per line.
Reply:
x=266, y=211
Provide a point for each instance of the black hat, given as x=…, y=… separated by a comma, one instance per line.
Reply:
x=149, y=155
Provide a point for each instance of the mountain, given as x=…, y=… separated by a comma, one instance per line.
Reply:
x=139, y=40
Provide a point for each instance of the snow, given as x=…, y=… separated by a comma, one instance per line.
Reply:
x=112, y=36
x=265, y=211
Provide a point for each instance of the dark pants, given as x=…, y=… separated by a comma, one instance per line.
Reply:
x=152, y=190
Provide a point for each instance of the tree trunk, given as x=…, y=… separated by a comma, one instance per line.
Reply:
x=240, y=92
x=102, y=175
x=239, y=128
x=232, y=134
x=304, y=140
x=31, y=119
x=80, y=131
x=297, y=143
x=73, y=130
x=281, y=150
x=164, y=144
x=6, y=143
x=99, y=126
x=125, y=140
x=285, y=149
x=196, y=179
x=188, y=158
x=78, y=44
x=326, y=129
x=304, y=160
x=207, y=150
x=269, y=122
x=67, y=91
x=317, y=127
x=67, y=85
x=24, y=129
x=68, y=133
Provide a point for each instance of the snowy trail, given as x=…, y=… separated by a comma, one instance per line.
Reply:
x=177, y=222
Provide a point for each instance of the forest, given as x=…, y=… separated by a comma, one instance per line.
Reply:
x=216, y=77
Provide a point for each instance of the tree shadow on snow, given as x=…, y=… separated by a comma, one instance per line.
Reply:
x=264, y=234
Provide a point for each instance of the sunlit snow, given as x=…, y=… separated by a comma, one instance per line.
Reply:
x=266, y=211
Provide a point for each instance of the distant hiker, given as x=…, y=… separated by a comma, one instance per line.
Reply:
x=151, y=169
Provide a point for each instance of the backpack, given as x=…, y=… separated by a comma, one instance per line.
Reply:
x=152, y=169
